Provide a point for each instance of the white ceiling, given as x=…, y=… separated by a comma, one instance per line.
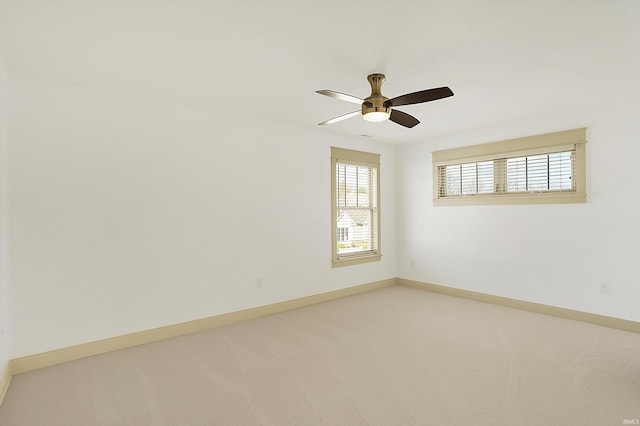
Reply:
x=504, y=60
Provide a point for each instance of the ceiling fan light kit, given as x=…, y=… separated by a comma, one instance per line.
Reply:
x=376, y=114
x=378, y=108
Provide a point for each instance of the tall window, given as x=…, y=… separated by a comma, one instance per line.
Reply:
x=547, y=168
x=355, y=200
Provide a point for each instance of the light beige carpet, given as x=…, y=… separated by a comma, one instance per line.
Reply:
x=397, y=356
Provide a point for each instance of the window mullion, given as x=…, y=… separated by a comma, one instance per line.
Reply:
x=526, y=174
x=500, y=175
x=548, y=173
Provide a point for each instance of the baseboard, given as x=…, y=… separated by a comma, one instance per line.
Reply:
x=59, y=356
x=602, y=320
x=5, y=379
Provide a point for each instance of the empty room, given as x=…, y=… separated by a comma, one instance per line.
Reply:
x=293, y=212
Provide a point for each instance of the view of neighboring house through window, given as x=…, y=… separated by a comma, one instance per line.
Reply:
x=355, y=198
x=547, y=168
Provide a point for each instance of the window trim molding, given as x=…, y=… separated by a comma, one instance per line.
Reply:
x=358, y=158
x=529, y=145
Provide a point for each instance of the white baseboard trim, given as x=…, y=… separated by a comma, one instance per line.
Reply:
x=72, y=353
x=555, y=311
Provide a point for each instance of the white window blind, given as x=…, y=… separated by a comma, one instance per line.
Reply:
x=547, y=172
x=355, y=206
x=536, y=169
x=536, y=173
x=467, y=178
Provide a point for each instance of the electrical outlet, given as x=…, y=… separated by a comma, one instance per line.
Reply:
x=605, y=288
x=259, y=282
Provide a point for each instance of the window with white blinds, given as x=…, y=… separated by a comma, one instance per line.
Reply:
x=547, y=168
x=546, y=172
x=467, y=178
x=355, y=206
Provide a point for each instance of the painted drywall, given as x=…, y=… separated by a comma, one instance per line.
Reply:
x=130, y=212
x=4, y=255
x=580, y=256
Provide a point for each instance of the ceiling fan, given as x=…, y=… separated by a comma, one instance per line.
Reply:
x=379, y=108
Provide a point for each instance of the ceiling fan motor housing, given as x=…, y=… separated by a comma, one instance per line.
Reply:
x=379, y=108
x=375, y=103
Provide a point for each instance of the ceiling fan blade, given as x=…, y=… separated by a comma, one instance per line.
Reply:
x=403, y=119
x=421, y=96
x=341, y=96
x=340, y=117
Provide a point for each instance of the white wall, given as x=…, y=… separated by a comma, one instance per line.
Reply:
x=552, y=254
x=129, y=213
x=4, y=255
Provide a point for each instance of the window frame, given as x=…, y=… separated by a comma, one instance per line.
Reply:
x=356, y=158
x=497, y=152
